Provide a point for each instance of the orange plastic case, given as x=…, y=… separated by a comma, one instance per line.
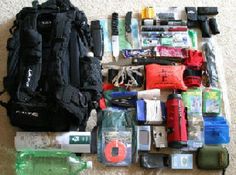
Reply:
x=121, y=151
x=165, y=77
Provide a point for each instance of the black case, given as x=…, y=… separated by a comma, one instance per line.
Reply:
x=207, y=10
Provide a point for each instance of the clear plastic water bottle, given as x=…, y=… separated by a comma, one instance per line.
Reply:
x=46, y=162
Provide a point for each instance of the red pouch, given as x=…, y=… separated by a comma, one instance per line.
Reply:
x=192, y=78
x=194, y=59
x=165, y=77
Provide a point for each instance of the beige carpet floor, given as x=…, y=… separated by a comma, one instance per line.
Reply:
x=96, y=9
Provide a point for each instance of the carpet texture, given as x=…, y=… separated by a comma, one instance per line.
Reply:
x=96, y=9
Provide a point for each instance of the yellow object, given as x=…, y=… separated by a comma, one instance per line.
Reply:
x=148, y=13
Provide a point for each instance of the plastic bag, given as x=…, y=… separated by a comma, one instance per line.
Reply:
x=210, y=54
x=117, y=137
x=216, y=130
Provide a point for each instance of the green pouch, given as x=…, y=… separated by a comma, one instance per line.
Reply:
x=192, y=99
x=212, y=158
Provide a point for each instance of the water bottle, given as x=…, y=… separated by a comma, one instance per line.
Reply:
x=49, y=162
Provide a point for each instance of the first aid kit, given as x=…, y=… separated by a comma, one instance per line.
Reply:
x=165, y=77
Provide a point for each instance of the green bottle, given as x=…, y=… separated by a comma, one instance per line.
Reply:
x=47, y=162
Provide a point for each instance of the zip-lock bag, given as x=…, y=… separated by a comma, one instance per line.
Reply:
x=212, y=101
x=216, y=130
x=51, y=79
x=212, y=158
x=116, y=144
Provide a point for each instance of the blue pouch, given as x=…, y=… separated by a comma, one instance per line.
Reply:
x=140, y=110
x=125, y=99
x=216, y=130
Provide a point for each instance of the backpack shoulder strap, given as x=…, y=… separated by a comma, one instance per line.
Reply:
x=59, y=58
x=30, y=58
x=83, y=28
x=67, y=95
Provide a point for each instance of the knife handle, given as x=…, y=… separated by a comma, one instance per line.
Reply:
x=98, y=40
x=128, y=18
x=115, y=23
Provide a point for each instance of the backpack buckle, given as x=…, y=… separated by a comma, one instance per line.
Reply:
x=59, y=39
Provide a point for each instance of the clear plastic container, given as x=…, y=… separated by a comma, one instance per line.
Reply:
x=41, y=162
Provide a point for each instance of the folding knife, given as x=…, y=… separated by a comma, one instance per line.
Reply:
x=115, y=35
x=128, y=28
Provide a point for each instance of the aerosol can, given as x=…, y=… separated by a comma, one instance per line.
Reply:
x=176, y=122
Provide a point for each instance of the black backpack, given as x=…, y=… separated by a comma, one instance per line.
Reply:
x=51, y=79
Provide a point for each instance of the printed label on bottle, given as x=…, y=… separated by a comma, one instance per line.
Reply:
x=76, y=139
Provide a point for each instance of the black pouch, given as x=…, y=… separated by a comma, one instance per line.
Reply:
x=207, y=10
x=191, y=16
x=40, y=117
x=204, y=26
x=32, y=60
x=73, y=101
x=91, y=77
x=111, y=74
x=213, y=26
x=191, y=13
x=29, y=116
x=12, y=64
x=154, y=160
x=32, y=46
